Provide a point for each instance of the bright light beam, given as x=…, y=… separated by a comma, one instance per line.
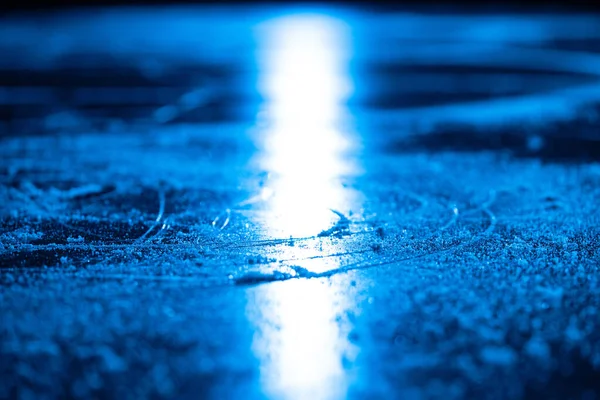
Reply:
x=305, y=84
x=306, y=152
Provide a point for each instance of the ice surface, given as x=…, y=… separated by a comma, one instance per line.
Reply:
x=313, y=249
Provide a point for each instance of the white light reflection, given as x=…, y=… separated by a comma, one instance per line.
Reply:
x=305, y=84
x=300, y=342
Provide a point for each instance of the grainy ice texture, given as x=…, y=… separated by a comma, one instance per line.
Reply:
x=201, y=240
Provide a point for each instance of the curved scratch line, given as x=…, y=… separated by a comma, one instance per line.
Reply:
x=301, y=273
x=161, y=210
x=492, y=225
x=452, y=220
x=226, y=219
x=484, y=207
x=278, y=241
x=325, y=256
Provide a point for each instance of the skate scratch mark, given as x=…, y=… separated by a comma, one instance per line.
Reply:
x=280, y=241
x=303, y=273
x=485, y=208
x=325, y=256
x=453, y=219
x=492, y=224
x=225, y=222
x=161, y=210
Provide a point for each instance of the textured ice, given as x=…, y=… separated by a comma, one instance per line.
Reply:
x=146, y=253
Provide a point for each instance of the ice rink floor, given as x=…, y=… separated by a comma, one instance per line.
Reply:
x=299, y=204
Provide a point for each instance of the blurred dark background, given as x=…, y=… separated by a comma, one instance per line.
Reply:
x=435, y=6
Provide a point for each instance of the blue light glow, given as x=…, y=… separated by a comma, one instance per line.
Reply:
x=306, y=152
x=305, y=84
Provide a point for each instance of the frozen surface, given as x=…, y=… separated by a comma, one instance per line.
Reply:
x=363, y=226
